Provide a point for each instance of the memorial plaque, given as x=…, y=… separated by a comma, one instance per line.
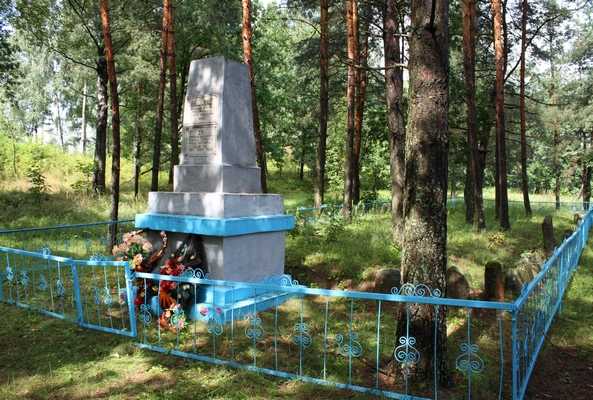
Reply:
x=200, y=140
x=203, y=109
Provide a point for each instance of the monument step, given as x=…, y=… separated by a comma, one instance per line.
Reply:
x=215, y=205
x=239, y=310
x=216, y=178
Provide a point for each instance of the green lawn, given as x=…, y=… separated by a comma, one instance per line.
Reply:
x=43, y=358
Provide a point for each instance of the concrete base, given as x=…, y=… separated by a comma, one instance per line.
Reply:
x=224, y=304
x=245, y=258
x=216, y=178
x=215, y=205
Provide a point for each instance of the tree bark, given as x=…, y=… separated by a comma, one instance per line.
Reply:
x=522, y=110
x=395, y=115
x=503, y=211
x=138, y=140
x=361, y=83
x=248, y=59
x=101, y=128
x=84, y=139
x=352, y=50
x=424, y=251
x=59, y=124
x=158, y=127
x=172, y=93
x=469, y=67
x=323, y=103
x=104, y=11
x=586, y=175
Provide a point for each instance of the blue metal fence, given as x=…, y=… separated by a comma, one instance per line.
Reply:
x=366, y=342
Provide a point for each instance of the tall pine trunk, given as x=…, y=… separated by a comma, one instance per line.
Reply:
x=248, y=59
x=138, y=139
x=115, y=149
x=501, y=157
x=522, y=110
x=586, y=175
x=424, y=251
x=158, y=126
x=361, y=83
x=469, y=67
x=352, y=50
x=83, y=122
x=394, y=88
x=100, y=160
x=172, y=93
x=323, y=103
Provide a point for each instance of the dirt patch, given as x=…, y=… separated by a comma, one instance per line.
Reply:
x=562, y=373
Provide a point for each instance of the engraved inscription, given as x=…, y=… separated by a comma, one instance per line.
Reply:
x=203, y=109
x=200, y=140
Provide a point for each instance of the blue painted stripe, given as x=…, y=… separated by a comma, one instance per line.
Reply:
x=215, y=226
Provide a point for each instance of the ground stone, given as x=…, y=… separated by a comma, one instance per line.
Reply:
x=457, y=284
x=493, y=281
x=548, y=234
x=387, y=278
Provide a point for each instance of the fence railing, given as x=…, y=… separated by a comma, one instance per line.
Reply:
x=310, y=214
x=412, y=343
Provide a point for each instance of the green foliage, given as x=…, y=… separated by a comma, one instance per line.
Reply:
x=36, y=179
x=83, y=183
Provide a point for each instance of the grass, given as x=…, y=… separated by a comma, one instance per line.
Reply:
x=54, y=359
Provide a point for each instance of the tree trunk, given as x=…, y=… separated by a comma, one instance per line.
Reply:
x=352, y=49
x=361, y=83
x=248, y=59
x=586, y=175
x=323, y=103
x=158, y=127
x=469, y=67
x=503, y=211
x=424, y=252
x=555, y=124
x=138, y=140
x=84, y=139
x=172, y=93
x=59, y=124
x=395, y=115
x=522, y=111
x=101, y=129
x=303, y=155
x=104, y=10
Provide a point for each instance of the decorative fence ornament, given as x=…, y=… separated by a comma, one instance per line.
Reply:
x=24, y=278
x=352, y=348
x=60, y=290
x=469, y=362
x=9, y=274
x=197, y=273
x=254, y=330
x=42, y=283
x=301, y=336
x=406, y=354
x=106, y=296
x=178, y=318
x=411, y=289
x=145, y=314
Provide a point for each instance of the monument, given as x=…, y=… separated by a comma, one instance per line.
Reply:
x=217, y=190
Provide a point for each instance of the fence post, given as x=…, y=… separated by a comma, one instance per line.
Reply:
x=515, y=356
x=130, y=300
x=76, y=289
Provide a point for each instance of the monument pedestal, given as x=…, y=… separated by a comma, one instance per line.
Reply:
x=217, y=195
